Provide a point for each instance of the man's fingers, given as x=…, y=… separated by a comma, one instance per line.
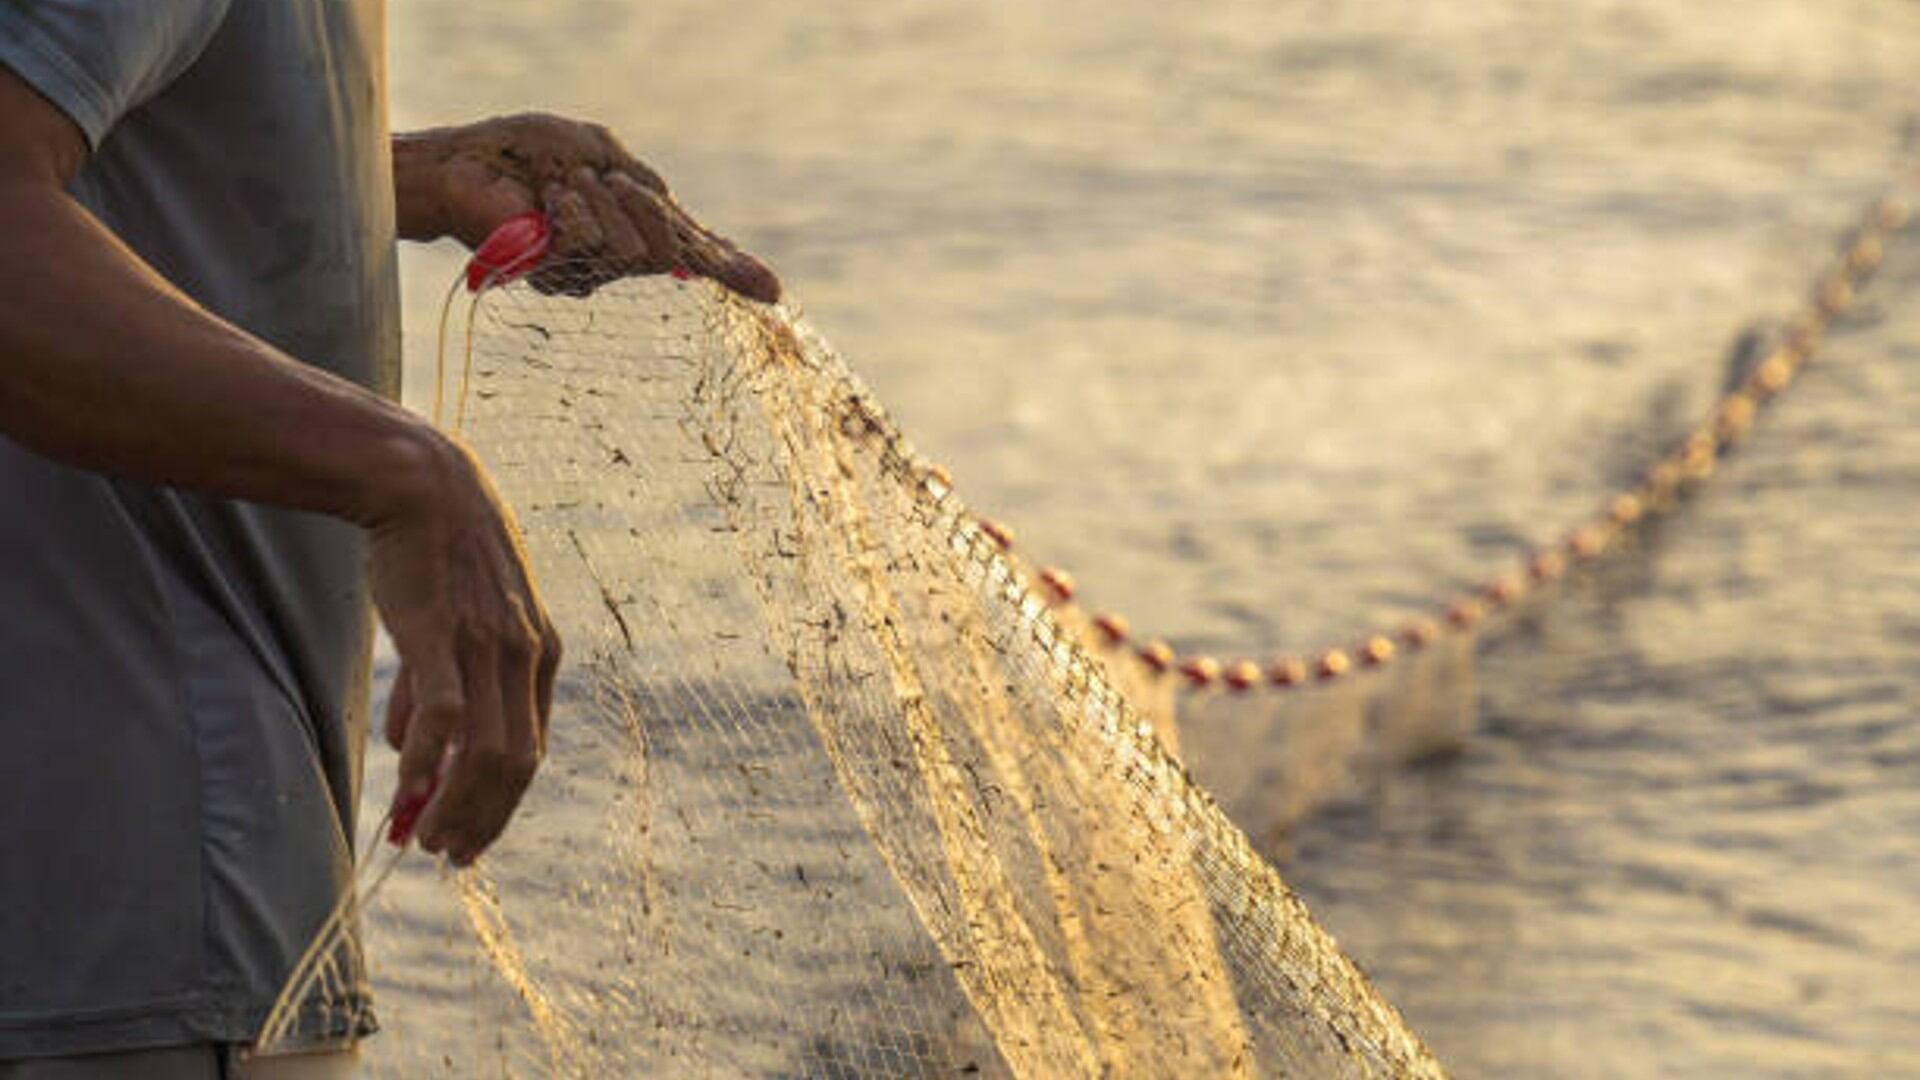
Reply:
x=748, y=276
x=576, y=231
x=399, y=707
x=624, y=245
x=520, y=707
x=439, y=706
x=613, y=216
x=712, y=256
x=457, y=809
x=675, y=239
x=496, y=758
x=642, y=173
x=577, y=242
x=699, y=251
x=648, y=212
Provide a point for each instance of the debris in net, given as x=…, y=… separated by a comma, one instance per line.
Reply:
x=831, y=789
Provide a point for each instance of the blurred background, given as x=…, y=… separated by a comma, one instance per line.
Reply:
x=1274, y=322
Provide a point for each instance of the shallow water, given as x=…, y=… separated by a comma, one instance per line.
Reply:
x=1274, y=323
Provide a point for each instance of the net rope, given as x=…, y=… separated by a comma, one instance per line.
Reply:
x=831, y=790
x=1662, y=488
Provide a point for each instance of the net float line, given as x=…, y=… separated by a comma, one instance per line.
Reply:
x=1659, y=490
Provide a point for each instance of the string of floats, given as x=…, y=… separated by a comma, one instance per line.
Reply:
x=1659, y=490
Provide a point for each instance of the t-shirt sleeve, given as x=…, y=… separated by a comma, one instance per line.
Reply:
x=100, y=59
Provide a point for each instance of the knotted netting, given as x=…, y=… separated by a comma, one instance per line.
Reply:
x=830, y=791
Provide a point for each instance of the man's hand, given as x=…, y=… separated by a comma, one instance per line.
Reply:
x=612, y=215
x=477, y=655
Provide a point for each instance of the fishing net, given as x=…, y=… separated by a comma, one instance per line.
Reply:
x=830, y=790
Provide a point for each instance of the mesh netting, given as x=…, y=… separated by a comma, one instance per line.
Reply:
x=830, y=791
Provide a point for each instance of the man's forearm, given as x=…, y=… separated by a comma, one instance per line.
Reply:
x=106, y=366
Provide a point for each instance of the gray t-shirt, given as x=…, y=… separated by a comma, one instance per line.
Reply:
x=183, y=679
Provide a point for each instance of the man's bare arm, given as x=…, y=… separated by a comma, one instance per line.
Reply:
x=105, y=366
